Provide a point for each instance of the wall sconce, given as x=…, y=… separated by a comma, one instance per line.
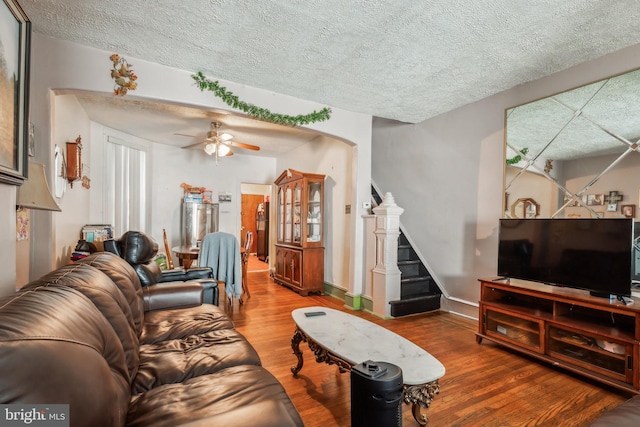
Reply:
x=73, y=168
x=34, y=192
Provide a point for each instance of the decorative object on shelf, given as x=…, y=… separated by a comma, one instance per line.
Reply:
x=14, y=92
x=612, y=200
x=595, y=200
x=548, y=165
x=629, y=211
x=525, y=207
x=34, y=193
x=73, y=165
x=191, y=189
x=258, y=112
x=123, y=75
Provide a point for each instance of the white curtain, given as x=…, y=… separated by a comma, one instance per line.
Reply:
x=125, y=186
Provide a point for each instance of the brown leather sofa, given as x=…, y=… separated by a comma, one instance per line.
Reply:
x=626, y=414
x=81, y=336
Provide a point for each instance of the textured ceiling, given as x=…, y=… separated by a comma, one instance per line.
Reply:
x=406, y=60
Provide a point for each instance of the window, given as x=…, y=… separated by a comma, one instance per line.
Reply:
x=125, y=185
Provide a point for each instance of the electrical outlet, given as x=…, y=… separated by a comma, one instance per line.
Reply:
x=347, y=209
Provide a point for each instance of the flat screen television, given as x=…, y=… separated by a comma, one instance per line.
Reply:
x=591, y=254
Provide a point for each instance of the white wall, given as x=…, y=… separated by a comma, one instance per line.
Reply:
x=333, y=159
x=447, y=173
x=70, y=121
x=172, y=166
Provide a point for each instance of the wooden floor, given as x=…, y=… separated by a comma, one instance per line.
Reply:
x=485, y=385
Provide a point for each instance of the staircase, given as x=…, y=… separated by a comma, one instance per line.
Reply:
x=418, y=291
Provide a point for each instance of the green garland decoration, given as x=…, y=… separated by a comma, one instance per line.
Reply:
x=259, y=113
x=518, y=158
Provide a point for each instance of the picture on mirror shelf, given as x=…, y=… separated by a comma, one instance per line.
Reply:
x=629, y=211
x=595, y=199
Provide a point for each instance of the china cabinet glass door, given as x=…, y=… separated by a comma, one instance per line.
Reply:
x=287, y=215
x=280, y=215
x=314, y=212
x=296, y=213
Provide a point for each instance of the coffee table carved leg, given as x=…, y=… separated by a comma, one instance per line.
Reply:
x=320, y=353
x=298, y=337
x=420, y=396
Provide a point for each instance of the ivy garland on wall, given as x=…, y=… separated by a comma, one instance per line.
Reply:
x=259, y=113
x=518, y=158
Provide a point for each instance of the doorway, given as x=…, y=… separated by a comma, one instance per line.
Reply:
x=254, y=214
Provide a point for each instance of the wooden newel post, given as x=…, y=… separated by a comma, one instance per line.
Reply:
x=386, y=274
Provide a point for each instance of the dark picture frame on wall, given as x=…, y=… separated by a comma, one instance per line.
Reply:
x=15, y=45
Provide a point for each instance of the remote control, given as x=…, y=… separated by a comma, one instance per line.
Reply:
x=314, y=313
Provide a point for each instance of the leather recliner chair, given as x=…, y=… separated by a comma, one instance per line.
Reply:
x=139, y=251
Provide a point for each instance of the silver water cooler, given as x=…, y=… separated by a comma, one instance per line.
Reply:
x=198, y=219
x=376, y=395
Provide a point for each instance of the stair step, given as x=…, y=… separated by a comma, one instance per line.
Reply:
x=409, y=262
x=420, y=304
x=416, y=286
x=413, y=279
x=409, y=268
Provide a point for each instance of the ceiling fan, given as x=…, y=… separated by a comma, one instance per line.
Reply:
x=219, y=143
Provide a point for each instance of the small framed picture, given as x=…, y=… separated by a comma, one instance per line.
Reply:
x=629, y=211
x=595, y=199
x=612, y=207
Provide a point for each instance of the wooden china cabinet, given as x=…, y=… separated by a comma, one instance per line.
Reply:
x=300, y=229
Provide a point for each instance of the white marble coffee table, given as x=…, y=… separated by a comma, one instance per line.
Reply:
x=345, y=340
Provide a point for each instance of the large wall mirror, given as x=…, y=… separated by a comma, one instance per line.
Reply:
x=575, y=154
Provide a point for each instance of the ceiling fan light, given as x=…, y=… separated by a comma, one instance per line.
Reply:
x=226, y=136
x=210, y=148
x=223, y=150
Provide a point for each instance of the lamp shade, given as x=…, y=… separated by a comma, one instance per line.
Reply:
x=210, y=148
x=35, y=193
x=223, y=150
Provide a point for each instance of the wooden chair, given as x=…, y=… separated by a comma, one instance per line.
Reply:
x=167, y=250
x=245, y=262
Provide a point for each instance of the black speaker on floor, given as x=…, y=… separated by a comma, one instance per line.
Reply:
x=376, y=395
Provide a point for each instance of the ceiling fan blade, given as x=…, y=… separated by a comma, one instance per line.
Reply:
x=190, y=136
x=193, y=145
x=243, y=145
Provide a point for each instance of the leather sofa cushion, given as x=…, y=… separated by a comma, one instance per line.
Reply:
x=56, y=347
x=170, y=295
x=232, y=389
x=271, y=413
x=176, y=360
x=625, y=414
x=179, y=323
x=106, y=297
x=125, y=278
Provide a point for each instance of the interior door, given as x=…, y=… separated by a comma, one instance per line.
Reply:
x=249, y=205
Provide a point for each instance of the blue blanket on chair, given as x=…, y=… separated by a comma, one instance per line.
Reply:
x=221, y=252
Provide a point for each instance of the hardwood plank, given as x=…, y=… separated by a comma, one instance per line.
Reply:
x=485, y=384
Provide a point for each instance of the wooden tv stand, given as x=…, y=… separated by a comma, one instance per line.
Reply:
x=565, y=327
